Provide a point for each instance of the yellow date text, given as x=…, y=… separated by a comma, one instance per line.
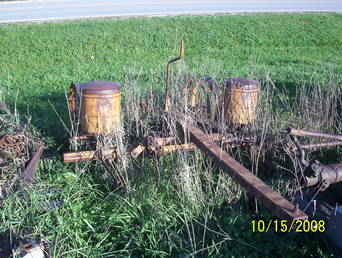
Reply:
x=283, y=226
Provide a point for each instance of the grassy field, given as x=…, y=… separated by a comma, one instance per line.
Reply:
x=157, y=217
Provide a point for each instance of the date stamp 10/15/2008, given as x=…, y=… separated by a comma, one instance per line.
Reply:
x=283, y=226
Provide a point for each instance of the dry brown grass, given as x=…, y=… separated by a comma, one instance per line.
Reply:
x=14, y=158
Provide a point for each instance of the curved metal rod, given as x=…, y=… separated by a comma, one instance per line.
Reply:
x=168, y=70
x=301, y=151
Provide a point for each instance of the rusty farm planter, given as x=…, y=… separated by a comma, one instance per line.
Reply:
x=97, y=106
x=240, y=100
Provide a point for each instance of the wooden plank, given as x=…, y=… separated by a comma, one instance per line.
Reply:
x=277, y=204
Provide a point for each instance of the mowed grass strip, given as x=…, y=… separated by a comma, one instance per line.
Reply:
x=37, y=65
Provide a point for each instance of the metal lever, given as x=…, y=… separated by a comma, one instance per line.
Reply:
x=167, y=80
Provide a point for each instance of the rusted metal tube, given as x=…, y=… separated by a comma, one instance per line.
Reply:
x=167, y=145
x=164, y=146
x=82, y=138
x=321, y=145
x=137, y=151
x=28, y=174
x=298, y=132
x=162, y=141
x=323, y=174
x=167, y=149
x=88, y=155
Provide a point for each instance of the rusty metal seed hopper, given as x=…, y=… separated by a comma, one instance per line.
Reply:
x=95, y=109
x=240, y=100
x=96, y=105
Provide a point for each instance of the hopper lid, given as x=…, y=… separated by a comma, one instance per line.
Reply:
x=241, y=83
x=98, y=86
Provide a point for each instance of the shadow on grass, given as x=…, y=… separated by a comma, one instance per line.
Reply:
x=5, y=245
x=49, y=115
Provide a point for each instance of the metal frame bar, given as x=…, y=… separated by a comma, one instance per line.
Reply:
x=29, y=172
x=299, y=132
x=277, y=204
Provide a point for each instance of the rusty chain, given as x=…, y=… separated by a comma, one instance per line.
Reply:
x=13, y=144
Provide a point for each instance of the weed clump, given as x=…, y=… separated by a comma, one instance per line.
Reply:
x=17, y=144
